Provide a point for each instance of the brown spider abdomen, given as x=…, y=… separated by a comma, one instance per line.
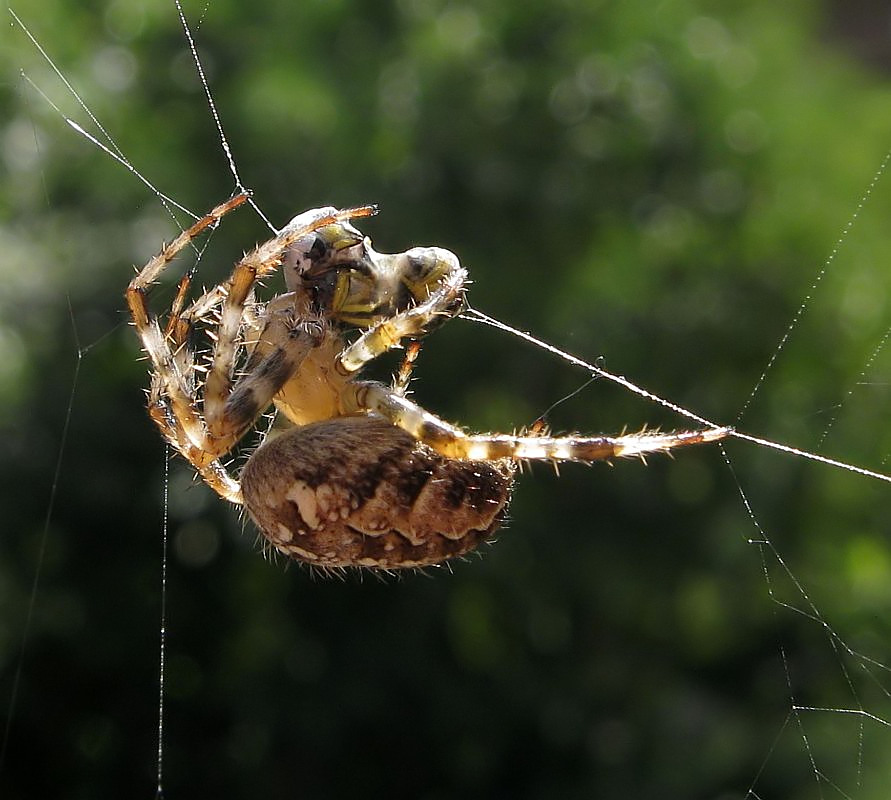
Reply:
x=360, y=492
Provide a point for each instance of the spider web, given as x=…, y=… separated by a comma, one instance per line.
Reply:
x=817, y=722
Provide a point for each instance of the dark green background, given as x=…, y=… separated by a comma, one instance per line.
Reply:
x=656, y=184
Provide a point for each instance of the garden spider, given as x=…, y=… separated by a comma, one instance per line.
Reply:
x=365, y=477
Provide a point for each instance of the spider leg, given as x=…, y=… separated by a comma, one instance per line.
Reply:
x=231, y=414
x=149, y=274
x=445, y=301
x=181, y=322
x=179, y=326
x=212, y=472
x=453, y=442
x=403, y=378
x=176, y=366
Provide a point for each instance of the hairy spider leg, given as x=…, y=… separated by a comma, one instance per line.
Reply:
x=180, y=323
x=174, y=366
x=446, y=301
x=402, y=379
x=452, y=442
x=214, y=473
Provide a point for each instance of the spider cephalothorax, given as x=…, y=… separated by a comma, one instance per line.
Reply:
x=364, y=477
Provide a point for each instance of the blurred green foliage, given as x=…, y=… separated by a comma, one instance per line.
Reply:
x=653, y=184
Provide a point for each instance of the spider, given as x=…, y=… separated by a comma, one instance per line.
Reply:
x=364, y=476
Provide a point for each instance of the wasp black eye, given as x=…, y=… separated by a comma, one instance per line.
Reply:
x=331, y=248
x=318, y=249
